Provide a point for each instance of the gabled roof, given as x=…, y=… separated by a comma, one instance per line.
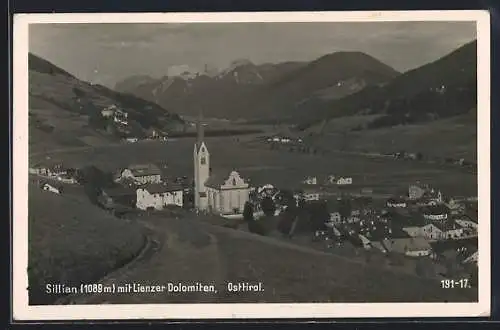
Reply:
x=156, y=188
x=407, y=244
x=144, y=169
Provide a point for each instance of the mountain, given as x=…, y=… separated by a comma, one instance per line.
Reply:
x=66, y=111
x=265, y=91
x=440, y=89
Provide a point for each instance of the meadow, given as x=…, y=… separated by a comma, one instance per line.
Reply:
x=69, y=241
x=279, y=167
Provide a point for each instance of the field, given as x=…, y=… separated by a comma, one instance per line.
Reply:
x=70, y=241
x=281, y=168
x=454, y=137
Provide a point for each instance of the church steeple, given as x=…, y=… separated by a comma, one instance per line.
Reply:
x=201, y=166
x=200, y=131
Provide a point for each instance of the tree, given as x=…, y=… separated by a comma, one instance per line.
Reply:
x=268, y=206
x=345, y=208
x=318, y=215
x=248, y=212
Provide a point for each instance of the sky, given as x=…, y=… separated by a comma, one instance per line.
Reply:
x=108, y=53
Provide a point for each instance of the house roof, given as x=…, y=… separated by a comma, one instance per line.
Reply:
x=156, y=188
x=436, y=209
x=144, y=169
x=446, y=225
x=406, y=244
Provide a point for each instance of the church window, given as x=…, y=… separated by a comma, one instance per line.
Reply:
x=203, y=161
x=234, y=182
x=202, y=149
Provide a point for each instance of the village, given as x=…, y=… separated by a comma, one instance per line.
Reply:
x=419, y=230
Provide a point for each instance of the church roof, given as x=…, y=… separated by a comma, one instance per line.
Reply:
x=217, y=179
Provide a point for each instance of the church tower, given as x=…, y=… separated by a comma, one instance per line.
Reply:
x=201, y=158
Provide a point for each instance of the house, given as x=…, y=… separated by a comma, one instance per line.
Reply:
x=159, y=195
x=416, y=191
x=344, y=181
x=66, y=178
x=367, y=244
x=335, y=218
x=53, y=188
x=143, y=173
x=411, y=246
x=109, y=111
x=132, y=139
x=310, y=180
x=449, y=229
x=396, y=203
x=472, y=259
x=120, y=117
x=428, y=231
x=436, y=212
x=466, y=223
x=311, y=195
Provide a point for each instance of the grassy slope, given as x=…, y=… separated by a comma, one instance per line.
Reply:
x=73, y=242
x=454, y=137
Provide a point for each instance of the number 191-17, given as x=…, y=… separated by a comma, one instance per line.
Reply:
x=459, y=284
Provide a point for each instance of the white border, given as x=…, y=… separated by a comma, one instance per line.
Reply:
x=21, y=309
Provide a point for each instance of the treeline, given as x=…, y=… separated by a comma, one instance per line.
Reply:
x=301, y=217
x=216, y=133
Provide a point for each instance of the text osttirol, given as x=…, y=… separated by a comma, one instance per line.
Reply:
x=245, y=287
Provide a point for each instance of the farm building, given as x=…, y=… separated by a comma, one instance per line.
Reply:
x=142, y=174
x=158, y=195
x=411, y=246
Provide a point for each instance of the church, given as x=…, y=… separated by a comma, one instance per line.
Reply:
x=221, y=193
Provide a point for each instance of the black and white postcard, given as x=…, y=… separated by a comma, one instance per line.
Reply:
x=251, y=165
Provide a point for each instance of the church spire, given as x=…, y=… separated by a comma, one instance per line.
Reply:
x=199, y=128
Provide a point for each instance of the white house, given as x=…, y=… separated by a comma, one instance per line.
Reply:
x=396, y=203
x=344, y=181
x=311, y=196
x=109, y=111
x=142, y=174
x=132, y=139
x=120, y=117
x=52, y=188
x=335, y=217
x=158, y=195
x=429, y=232
x=466, y=223
x=311, y=180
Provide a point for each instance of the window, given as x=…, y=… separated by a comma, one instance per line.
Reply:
x=203, y=161
x=234, y=182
